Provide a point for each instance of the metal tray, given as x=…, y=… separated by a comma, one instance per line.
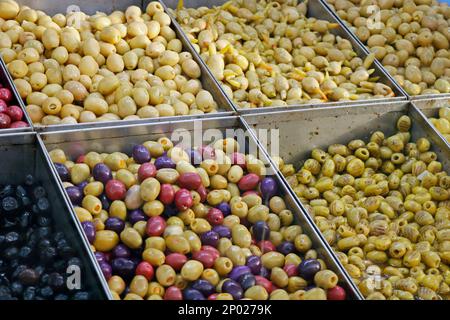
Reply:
x=124, y=138
x=7, y=82
x=346, y=25
x=91, y=7
x=430, y=109
x=23, y=155
x=301, y=131
x=315, y=9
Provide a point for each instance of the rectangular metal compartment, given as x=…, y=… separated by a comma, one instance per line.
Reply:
x=430, y=109
x=123, y=139
x=91, y=7
x=22, y=155
x=362, y=45
x=303, y=130
x=320, y=11
x=7, y=82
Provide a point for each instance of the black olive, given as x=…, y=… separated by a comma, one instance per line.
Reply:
x=24, y=220
x=25, y=253
x=47, y=254
x=43, y=281
x=5, y=292
x=43, y=205
x=43, y=221
x=9, y=205
x=46, y=292
x=43, y=232
x=25, y=201
x=56, y=281
x=16, y=288
x=61, y=296
x=21, y=192
x=12, y=238
x=15, y=273
x=39, y=192
x=60, y=265
x=6, y=191
x=4, y=281
x=3, y=265
x=44, y=243
x=2, y=239
x=29, y=293
x=10, y=253
x=58, y=236
x=81, y=295
x=39, y=270
x=29, y=180
x=9, y=223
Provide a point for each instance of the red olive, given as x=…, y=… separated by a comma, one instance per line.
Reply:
x=3, y=106
x=213, y=296
x=5, y=121
x=238, y=159
x=215, y=216
x=207, y=152
x=5, y=94
x=19, y=124
x=266, y=246
x=265, y=283
x=291, y=270
x=205, y=257
x=146, y=170
x=183, y=199
x=176, y=260
x=203, y=193
x=166, y=194
x=145, y=269
x=15, y=113
x=248, y=182
x=173, y=293
x=336, y=293
x=215, y=253
x=190, y=180
x=155, y=226
x=115, y=190
x=81, y=159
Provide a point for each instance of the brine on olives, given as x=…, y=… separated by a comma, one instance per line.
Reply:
x=169, y=224
x=270, y=53
x=384, y=206
x=35, y=255
x=78, y=68
x=410, y=38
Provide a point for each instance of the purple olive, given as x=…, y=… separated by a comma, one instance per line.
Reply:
x=164, y=162
x=102, y=173
x=82, y=185
x=121, y=251
x=264, y=272
x=106, y=269
x=225, y=208
x=205, y=287
x=261, y=230
x=268, y=187
x=63, y=172
x=141, y=154
x=195, y=156
x=106, y=203
x=238, y=271
x=308, y=268
x=247, y=280
x=210, y=238
x=75, y=195
x=192, y=294
x=286, y=247
x=123, y=267
x=115, y=224
x=222, y=231
x=254, y=263
x=100, y=256
x=136, y=216
x=89, y=230
x=233, y=288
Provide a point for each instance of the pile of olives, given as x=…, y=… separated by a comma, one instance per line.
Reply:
x=409, y=37
x=34, y=254
x=77, y=68
x=203, y=223
x=268, y=53
x=443, y=123
x=384, y=206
